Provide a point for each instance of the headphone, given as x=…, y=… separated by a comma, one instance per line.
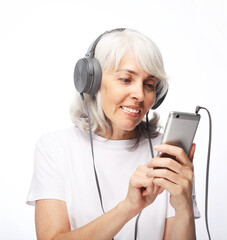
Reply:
x=88, y=72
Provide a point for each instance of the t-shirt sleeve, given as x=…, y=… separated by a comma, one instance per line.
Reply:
x=48, y=181
x=195, y=207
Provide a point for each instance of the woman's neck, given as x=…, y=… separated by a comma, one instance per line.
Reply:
x=116, y=135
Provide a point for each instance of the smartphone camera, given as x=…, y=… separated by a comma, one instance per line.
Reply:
x=177, y=115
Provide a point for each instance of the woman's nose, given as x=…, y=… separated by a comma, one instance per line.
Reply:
x=138, y=92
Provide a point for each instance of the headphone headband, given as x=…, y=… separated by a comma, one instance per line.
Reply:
x=91, y=51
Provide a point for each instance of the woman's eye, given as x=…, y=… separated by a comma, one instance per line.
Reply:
x=150, y=86
x=125, y=80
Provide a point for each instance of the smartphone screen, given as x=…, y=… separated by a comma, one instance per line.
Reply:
x=180, y=129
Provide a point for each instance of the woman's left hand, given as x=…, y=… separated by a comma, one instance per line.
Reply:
x=174, y=176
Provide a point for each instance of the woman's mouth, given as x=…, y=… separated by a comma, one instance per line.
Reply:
x=130, y=110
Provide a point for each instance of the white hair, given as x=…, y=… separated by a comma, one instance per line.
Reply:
x=110, y=50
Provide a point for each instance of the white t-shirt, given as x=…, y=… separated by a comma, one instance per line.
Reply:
x=63, y=170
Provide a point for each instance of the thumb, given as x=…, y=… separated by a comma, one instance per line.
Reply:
x=192, y=152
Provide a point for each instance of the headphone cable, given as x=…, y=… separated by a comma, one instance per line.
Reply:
x=207, y=168
x=149, y=139
x=92, y=152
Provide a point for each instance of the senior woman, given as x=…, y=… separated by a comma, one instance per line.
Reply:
x=115, y=189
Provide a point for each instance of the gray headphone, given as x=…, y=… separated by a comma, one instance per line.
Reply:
x=88, y=72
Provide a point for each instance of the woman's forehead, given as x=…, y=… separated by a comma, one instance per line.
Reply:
x=129, y=64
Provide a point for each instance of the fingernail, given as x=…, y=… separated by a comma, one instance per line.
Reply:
x=148, y=174
x=149, y=165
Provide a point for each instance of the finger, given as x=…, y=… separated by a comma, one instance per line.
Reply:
x=148, y=190
x=140, y=172
x=157, y=189
x=165, y=184
x=148, y=164
x=178, y=152
x=145, y=192
x=139, y=179
x=139, y=182
x=174, y=189
x=160, y=190
x=164, y=173
x=169, y=163
x=192, y=152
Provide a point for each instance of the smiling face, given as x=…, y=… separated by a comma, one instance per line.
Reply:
x=127, y=94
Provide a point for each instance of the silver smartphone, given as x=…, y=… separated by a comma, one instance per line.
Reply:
x=180, y=129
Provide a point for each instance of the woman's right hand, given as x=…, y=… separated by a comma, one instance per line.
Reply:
x=52, y=220
x=141, y=191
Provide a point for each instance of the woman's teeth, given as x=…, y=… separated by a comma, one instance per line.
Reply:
x=130, y=110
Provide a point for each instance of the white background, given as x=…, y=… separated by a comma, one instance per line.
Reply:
x=40, y=44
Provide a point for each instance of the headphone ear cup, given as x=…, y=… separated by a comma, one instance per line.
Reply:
x=159, y=102
x=87, y=75
x=97, y=77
